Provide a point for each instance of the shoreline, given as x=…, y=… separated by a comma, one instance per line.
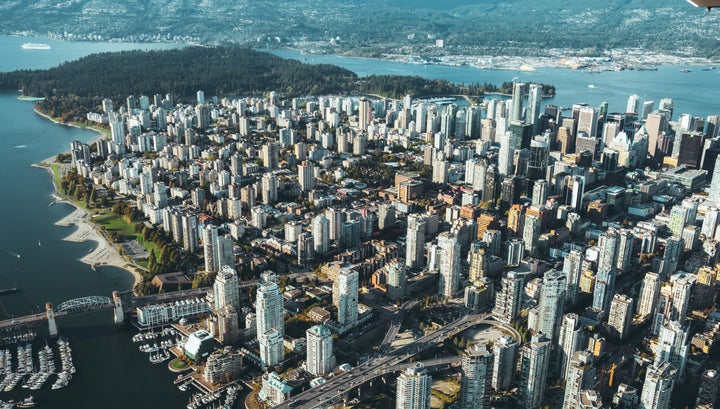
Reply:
x=104, y=253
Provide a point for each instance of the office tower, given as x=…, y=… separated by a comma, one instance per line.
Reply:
x=624, y=251
x=647, y=108
x=534, y=361
x=478, y=260
x=321, y=234
x=534, y=101
x=677, y=220
x=345, y=297
x=575, y=192
x=633, y=104
x=505, y=351
x=479, y=170
x=587, y=121
x=620, y=315
x=517, y=101
x=515, y=251
x=658, y=386
x=580, y=376
x=672, y=346
x=415, y=246
x=269, y=318
x=572, y=338
x=608, y=244
x=269, y=188
x=540, y=192
x=477, y=371
x=709, y=388
x=552, y=299
x=572, y=267
x=449, y=264
x=604, y=289
x=413, y=388
x=509, y=298
x=200, y=97
x=306, y=176
x=492, y=178
x=531, y=232
x=225, y=289
x=506, y=153
x=320, y=359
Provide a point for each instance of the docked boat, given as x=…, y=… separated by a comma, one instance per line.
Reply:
x=28, y=402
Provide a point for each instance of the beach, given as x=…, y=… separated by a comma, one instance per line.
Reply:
x=104, y=253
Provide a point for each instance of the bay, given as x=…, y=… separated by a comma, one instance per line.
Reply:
x=111, y=372
x=696, y=92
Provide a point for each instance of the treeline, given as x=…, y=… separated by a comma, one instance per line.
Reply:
x=73, y=88
x=507, y=88
x=180, y=72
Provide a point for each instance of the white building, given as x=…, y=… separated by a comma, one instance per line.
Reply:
x=413, y=388
x=320, y=359
x=345, y=297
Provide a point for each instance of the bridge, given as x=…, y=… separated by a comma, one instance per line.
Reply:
x=389, y=362
x=120, y=303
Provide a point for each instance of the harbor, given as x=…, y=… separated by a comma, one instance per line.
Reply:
x=164, y=343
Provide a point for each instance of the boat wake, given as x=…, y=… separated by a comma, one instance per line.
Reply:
x=12, y=253
x=20, y=146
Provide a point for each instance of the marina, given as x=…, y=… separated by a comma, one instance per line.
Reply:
x=31, y=376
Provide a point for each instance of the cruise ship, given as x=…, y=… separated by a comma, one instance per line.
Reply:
x=35, y=46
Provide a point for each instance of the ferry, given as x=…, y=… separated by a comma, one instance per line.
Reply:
x=35, y=46
x=686, y=70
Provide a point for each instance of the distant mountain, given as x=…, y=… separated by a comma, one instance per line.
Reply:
x=371, y=27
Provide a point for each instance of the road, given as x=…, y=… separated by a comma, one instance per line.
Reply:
x=383, y=364
x=395, y=324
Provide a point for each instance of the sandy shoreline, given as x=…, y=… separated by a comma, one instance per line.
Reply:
x=104, y=253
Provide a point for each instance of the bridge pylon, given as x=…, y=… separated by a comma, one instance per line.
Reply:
x=119, y=313
x=52, y=325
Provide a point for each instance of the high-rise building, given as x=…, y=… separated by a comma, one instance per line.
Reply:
x=620, y=315
x=269, y=188
x=320, y=359
x=608, y=244
x=572, y=267
x=505, y=351
x=682, y=285
x=386, y=216
x=210, y=235
x=648, y=294
x=509, y=298
x=506, y=153
x=415, y=245
x=306, y=176
x=441, y=170
x=396, y=278
x=449, y=264
x=552, y=299
x=626, y=397
x=225, y=288
x=515, y=251
x=534, y=361
x=413, y=388
x=321, y=234
x=604, y=289
x=572, y=338
x=534, y=101
x=624, y=252
x=269, y=319
x=677, y=220
x=710, y=222
x=580, y=376
x=587, y=121
x=364, y=113
x=478, y=260
x=270, y=155
x=672, y=346
x=345, y=297
x=517, y=101
x=633, y=104
x=658, y=386
x=540, y=192
x=531, y=232
x=477, y=371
